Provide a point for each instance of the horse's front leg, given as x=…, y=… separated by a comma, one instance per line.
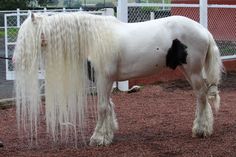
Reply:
x=107, y=123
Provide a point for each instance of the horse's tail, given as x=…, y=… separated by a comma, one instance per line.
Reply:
x=213, y=69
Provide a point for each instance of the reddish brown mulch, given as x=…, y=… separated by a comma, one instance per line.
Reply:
x=156, y=121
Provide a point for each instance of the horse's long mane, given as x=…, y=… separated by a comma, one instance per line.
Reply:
x=71, y=38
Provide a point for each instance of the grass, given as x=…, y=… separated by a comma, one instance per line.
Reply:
x=228, y=51
x=2, y=33
x=227, y=47
x=11, y=32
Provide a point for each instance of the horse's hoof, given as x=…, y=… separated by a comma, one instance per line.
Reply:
x=96, y=142
x=201, y=134
x=100, y=141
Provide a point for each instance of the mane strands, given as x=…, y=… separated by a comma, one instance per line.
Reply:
x=71, y=38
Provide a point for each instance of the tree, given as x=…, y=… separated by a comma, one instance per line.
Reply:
x=42, y=2
x=13, y=4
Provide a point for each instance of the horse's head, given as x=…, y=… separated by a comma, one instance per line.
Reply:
x=30, y=37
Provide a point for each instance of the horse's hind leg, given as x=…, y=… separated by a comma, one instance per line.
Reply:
x=107, y=123
x=203, y=123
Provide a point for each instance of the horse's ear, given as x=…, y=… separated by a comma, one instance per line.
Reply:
x=33, y=18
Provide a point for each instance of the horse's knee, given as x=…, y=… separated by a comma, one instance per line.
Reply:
x=106, y=113
x=102, y=108
x=198, y=82
x=200, y=88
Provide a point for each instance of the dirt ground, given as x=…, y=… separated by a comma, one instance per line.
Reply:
x=156, y=121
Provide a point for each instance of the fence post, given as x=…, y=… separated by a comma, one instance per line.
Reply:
x=122, y=10
x=6, y=44
x=152, y=15
x=18, y=17
x=108, y=12
x=64, y=10
x=45, y=10
x=204, y=12
x=122, y=15
x=163, y=2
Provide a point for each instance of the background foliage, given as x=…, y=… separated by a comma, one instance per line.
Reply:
x=13, y=4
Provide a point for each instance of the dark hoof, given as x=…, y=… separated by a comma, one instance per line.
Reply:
x=1, y=144
x=201, y=135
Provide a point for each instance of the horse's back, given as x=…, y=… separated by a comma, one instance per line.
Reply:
x=183, y=27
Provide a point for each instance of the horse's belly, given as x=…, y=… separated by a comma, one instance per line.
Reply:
x=140, y=64
x=142, y=52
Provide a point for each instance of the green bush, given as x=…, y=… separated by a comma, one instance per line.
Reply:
x=2, y=33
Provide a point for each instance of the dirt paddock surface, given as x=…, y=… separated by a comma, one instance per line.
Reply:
x=154, y=122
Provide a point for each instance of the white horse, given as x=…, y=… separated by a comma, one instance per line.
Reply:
x=61, y=45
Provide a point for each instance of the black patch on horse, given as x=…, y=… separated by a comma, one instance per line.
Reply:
x=176, y=55
x=91, y=71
